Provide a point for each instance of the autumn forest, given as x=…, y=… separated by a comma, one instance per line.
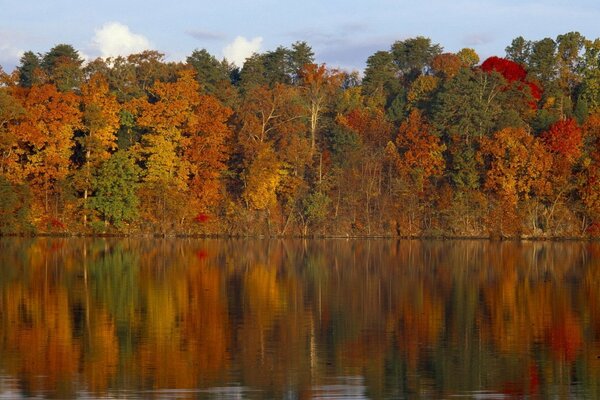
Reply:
x=423, y=142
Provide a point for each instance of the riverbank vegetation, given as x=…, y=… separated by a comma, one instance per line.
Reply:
x=422, y=143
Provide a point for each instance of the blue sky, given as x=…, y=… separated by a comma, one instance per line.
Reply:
x=342, y=33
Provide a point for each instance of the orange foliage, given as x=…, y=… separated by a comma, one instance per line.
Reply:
x=371, y=125
x=420, y=151
x=46, y=133
x=518, y=164
x=447, y=64
x=565, y=139
x=188, y=137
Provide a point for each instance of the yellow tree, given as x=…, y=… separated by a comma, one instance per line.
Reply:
x=184, y=146
x=318, y=84
x=262, y=178
x=517, y=170
x=100, y=124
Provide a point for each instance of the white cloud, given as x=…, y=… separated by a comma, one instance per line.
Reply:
x=115, y=39
x=10, y=53
x=241, y=48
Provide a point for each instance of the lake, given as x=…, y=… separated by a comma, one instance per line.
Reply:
x=298, y=319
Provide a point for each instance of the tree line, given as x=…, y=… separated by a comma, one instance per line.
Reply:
x=422, y=143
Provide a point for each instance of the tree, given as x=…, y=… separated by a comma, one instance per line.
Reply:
x=266, y=113
x=569, y=60
x=589, y=91
x=421, y=153
x=148, y=67
x=318, y=84
x=519, y=51
x=381, y=78
x=11, y=111
x=14, y=207
x=300, y=55
x=252, y=73
x=469, y=105
x=30, y=72
x=447, y=64
x=115, y=186
x=100, y=124
x=62, y=64
x=207, y=150
x=261, y=179
x=371, y=125
x=315, y=208
x=542, y=64
x=468, y=57
x=421, y=92
x=515, y=75
x=213, y=75
x=413, y=56
x=277, y=67
x=589, y=185
x=564, y=141
x=184, y=147
x=46, y=134
x=517, y=165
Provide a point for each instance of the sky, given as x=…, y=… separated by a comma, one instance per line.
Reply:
x=342, y=33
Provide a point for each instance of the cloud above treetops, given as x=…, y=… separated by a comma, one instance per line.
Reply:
x=242, y=48
x=115, y=39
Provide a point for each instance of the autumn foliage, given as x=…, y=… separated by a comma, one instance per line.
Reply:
x=425, y=143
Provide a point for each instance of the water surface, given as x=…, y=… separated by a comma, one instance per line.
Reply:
x=337, y=319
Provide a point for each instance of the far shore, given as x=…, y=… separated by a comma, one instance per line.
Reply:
x=491, y=238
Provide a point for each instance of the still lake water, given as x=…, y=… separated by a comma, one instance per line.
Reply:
x=335, y=319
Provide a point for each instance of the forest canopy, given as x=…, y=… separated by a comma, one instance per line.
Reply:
x=423, y=142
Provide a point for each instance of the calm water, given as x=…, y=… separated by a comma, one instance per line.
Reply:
x=217, y=319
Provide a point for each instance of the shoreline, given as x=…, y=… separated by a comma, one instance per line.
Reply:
x=310, y=237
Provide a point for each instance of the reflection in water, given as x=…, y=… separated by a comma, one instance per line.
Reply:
x=298, y=319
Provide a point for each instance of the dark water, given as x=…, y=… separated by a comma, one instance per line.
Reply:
x=187, y=319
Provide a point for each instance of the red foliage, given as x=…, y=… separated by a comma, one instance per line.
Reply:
x=565, y=138
x=510, y=70
x=56, y=223
x=202, y=254
x=565, y=339
x=201, y=218
x=536, y=91
x=534, y=379
x=594, y=230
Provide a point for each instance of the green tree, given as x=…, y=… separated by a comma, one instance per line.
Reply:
x=300, y=55
x=14, y=207
x=213, y=75
x=314, y=211
x=519, y=50
x=115, y=187
x=381, y=82
x=413, y=56
x=542, y=64
x=589, y=90
x=30, y=70
x=252, y=73
x=63, y=64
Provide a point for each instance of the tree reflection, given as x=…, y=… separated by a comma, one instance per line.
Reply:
x=412, y=318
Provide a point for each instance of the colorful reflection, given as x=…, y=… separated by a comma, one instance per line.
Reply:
x=298, y=319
